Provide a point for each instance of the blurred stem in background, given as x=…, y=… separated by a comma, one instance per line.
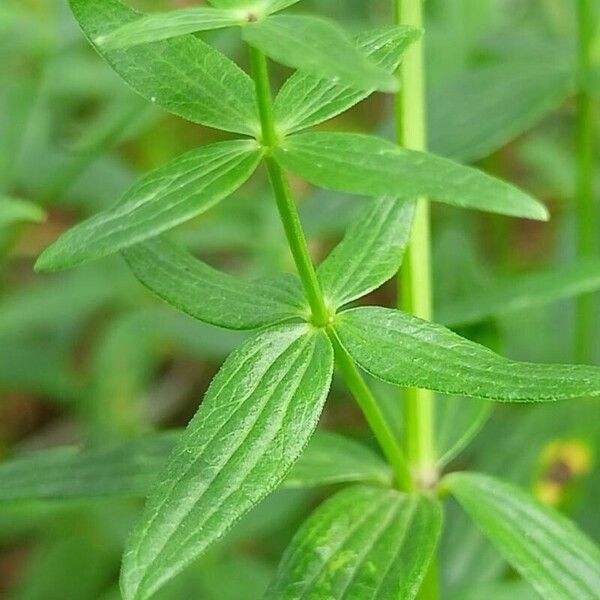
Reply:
x=587, y=219
x=415, y=293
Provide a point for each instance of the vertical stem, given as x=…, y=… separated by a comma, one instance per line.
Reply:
x=587, y=218
x=416, y=295
x=372, y=412
x=281, y=189
x=415, y=278
x=321, y=316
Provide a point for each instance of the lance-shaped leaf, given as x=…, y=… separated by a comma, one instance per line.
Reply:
x=406, y=351
x=363, y=164
x=483, y=109
x=162, y=26
x=527, y=291
x=183, y=75
x=14, y=210
x=319, y=47
x=254, y=422
x=212, y=296
x=305, y=100
x=362, y=543
x=128, y=469
x=370, y=253
x=171, y=195
x=547, y=549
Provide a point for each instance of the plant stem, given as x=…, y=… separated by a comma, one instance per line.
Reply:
x=372, y=412
x=281, y=189
x=321, y=316
x=416, y=294
x=587, y=218
x=415, y=278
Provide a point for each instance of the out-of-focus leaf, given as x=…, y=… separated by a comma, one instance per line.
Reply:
x=127, y=469
x=458, y=420
x=406, y=351
x=331, y=458
x=252, y=426
x=183, y=75
x=269, y=6
x=546, y=548
x=318, y=47
x=162, y=26
x=305, y=100
x=528, y=291
x=483, y=109
x=370, y=253
x=363, y=542
x=14, y=210
x=210, y=295
x=169, y=196
x=363, y=164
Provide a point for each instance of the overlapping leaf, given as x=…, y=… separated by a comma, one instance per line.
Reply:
x=269, y=6
x=254, y=423
x=485, y=108
x=162, y=26
x=183, y=75
x=319, y=47
x=371, y=166
x=128, y=469
x=547, y=549
x=370, y=253
x=210, y=295
x=171, y=195
x=362, y=543
x=404, y=350
x=306, y=100
x=527, y=291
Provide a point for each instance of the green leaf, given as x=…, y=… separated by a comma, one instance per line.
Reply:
x=208, y=295
x=119, y=469
x=370, y=253
x=547, y=549
x=406, y=351
x=169, y=196
x=331, y=458
x=162, y=26
x=318, y=47
x=527, y=291
x=483, y=109
x=183, y=75
x=14, y=211
x=254, y=422
x=458, y=420
x=128, y=469
x=305, y=100
x=362, y=543
x=363, y=164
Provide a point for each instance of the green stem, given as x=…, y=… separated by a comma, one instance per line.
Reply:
x=372, y=412
x=283, y=196
x=587, y=218
x=321, y=316
x=415, y=279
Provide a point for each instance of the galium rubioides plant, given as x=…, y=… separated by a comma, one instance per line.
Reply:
x=376, y=538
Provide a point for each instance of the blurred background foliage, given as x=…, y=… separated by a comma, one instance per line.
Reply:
x=88, y=356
